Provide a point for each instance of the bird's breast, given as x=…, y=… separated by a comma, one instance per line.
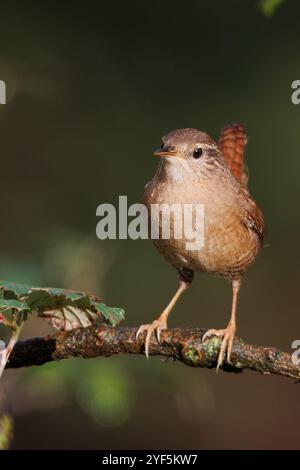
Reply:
x=229, y=248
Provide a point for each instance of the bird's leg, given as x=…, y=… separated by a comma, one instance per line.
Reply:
x=228, y=333
x=160, y=324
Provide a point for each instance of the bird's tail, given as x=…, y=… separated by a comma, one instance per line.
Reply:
x=232, y=144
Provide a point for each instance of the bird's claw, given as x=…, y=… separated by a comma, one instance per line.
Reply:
x=155, y=327
x=227, y=335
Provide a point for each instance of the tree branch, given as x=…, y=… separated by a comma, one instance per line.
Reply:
x=183, y=344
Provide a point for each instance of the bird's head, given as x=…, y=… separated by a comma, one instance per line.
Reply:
x=188, y=152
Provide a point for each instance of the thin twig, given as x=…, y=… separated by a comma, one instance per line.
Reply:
x=6, y=352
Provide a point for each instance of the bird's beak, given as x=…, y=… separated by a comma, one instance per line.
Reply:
x=165, y=152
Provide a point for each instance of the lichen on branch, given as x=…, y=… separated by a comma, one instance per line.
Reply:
x=182, y=344
x=89, y=329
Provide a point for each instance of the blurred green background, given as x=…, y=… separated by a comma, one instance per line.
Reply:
x=91, y=88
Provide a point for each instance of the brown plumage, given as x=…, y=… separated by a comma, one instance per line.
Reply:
x=232, y=143
x=192, y=170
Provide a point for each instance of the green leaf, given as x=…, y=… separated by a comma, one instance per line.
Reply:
x=6, y=430
x=64, y=309
x=105, y=393
x=113, y=314
x=15, y=289
x=268, y=7
x=13, y=304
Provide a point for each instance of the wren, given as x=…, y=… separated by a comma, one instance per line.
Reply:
x=194, y=169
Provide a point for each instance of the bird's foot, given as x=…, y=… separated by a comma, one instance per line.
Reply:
x=227, y=335
x=155, y=327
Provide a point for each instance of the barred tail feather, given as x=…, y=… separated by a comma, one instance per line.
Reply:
x=232, y=144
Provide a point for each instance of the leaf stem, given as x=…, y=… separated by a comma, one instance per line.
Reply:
x=5, y=353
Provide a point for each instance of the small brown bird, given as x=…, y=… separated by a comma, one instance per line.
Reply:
x=195, y=170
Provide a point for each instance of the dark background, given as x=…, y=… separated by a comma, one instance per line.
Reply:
x=91, y=88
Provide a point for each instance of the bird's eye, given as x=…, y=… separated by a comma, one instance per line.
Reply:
x=197, y=152
x=162, y=145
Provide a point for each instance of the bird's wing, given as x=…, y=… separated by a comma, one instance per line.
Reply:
x=253, y=219
x=232, y=144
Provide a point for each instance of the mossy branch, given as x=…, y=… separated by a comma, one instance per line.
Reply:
x=182, y=344
x=90, y=329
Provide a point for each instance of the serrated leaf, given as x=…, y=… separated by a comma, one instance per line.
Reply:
x=13, y=304
x=17, y=290
x=74, y=295
x=64, y=309
x=113, y=314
